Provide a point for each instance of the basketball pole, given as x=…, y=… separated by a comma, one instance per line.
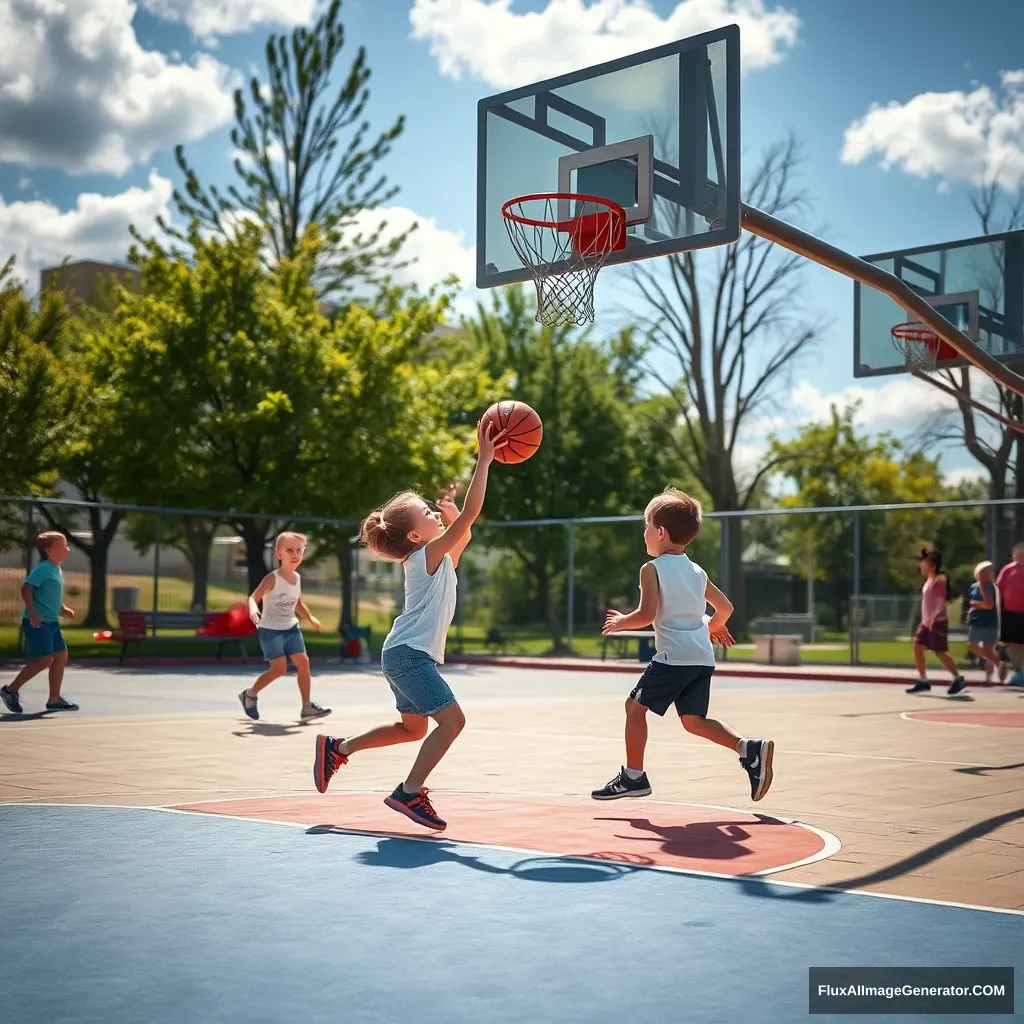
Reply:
x=765, y=226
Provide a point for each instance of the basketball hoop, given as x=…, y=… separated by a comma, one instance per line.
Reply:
x=921, y=347
x=564, y=250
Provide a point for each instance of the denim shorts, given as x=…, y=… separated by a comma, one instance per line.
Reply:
x=44, y=640
x=415, y=681
x=982, y=634
x=277, y=643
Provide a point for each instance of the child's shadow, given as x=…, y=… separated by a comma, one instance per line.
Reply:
x=30, y=716
x=409, y=853
x=699, y=840
x=270, y=729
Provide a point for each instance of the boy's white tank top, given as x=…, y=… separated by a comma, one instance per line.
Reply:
x=279, y=605
x=680, y=629
x=429, y=606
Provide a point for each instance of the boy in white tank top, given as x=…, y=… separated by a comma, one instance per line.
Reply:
x=674, y=595
x=428, y=540
x=278, y=626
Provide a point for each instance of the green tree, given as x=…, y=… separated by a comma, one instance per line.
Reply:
x=39, y=393
x=595, y=459
x=305, y=158
x=833, y=464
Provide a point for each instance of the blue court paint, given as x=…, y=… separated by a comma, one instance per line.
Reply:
x=121, y=915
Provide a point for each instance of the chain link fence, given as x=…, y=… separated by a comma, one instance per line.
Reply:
x=845, y=581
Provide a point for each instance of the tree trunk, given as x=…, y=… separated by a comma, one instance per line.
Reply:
x=736, y=590
x=200, y=542
x=98, y=553
x=254, y=536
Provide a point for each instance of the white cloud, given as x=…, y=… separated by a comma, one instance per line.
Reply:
x=39, y=234
x=437, y=252
x=965, y=474
x=900, y=402
x=210, y=18
x=490, y=41
x=78, y=92
x=975, y=136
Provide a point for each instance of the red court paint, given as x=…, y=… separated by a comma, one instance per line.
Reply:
x=992, y=719
x=691, y=837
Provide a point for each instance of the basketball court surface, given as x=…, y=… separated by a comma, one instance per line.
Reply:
x=168, y=859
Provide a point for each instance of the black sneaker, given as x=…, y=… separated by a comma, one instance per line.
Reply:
x=758, y=766
x=61, y=704
x=326, y=762
x=12, y=700
x=919, y=687
x=249, y=705
x=622, y=785
x=416, y=806
x=956, y=686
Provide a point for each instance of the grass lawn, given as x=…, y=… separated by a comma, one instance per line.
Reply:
x=521, y=641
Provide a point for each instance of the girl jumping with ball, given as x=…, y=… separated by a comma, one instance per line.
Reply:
x=428, y=540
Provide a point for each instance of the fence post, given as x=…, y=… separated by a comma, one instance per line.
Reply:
x=156, y=570
x=570, y=585
x=855, y=599
x=991, y=527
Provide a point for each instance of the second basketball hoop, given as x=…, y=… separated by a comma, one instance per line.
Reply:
x=564, y=238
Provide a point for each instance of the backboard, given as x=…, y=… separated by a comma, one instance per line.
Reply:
x=657, y=132
x=975, y=283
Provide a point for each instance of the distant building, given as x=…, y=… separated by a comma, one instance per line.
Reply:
x=83, y=279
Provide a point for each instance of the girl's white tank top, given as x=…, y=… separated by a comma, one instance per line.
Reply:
x=279, y=604
x=429, y=606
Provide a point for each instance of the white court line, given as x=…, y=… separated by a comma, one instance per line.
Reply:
x=909, y=717
x=760, y=879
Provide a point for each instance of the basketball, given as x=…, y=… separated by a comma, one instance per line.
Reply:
x=525, y=431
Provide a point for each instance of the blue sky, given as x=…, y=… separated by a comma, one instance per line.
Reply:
x=95, y=93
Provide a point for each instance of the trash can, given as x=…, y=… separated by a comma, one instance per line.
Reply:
x=126, y=598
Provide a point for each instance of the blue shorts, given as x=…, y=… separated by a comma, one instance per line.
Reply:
x=415, y=681
x=278, y=643
x=43, y=641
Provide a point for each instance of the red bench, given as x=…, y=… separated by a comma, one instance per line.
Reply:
x=140, y=627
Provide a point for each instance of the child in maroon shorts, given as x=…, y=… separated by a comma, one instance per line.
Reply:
x=933, y=633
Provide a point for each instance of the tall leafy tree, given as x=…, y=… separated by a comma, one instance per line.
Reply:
x=592, y=462
x=726, y=330
x=833, y=464
x=307, y=156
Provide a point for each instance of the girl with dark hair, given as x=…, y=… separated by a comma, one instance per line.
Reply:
x=933, y=633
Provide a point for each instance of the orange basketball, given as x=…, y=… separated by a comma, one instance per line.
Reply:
x=525, y=430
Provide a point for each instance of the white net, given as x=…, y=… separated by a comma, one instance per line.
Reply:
x=918, y=345
x=564, y=241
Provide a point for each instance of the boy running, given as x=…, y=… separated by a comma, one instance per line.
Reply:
x=674, y=595
x=43, y=594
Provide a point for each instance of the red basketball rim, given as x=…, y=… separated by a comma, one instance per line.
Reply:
x=578, y=197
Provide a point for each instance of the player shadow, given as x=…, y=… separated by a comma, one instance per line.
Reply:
x=260, y=728
x=985, y=769
x=906, y=865
x=407, y=853
x=28, y=716
x=698, y=840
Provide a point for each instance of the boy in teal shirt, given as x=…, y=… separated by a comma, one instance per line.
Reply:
x=43, y=594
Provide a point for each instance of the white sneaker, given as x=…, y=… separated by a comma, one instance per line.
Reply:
x=312, y=710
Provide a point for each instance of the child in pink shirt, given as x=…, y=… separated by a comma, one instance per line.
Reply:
x=1010, y=584
x=933, y=633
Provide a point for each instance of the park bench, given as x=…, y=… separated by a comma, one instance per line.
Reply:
x=777, y=649
x=141, y=627
x=493, y=640
x=620, y=642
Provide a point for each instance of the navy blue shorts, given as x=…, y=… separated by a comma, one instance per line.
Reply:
x=278, y=643
x=44, y=640
x=415, y=681
x=686, y=686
